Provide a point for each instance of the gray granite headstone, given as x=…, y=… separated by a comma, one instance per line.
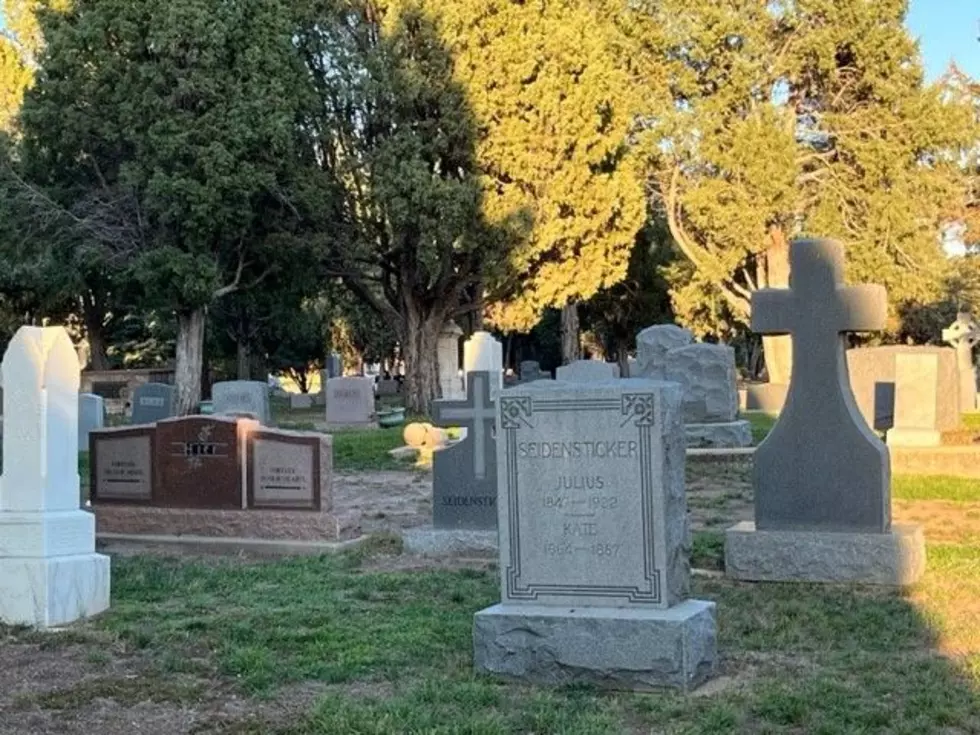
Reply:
x=963, y=335
x=821, y=468
x=652, y=346
x=586, y=371
x=464, y=474
x=153, y=402
x=335, y=366
x=350, y=401
x=91, y=416
x=242, y=397
x=593, y=541
x=531, y=370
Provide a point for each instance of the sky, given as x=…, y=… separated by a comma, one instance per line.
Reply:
x=947, y=29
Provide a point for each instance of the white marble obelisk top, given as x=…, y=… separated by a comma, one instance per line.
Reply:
x=49, y=571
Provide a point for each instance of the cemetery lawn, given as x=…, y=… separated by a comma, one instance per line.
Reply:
x=376, y=642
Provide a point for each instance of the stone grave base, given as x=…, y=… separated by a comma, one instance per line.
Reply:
x=613, y=648
x=913, y=438
x=429, y=541
x=716, y=436
x=330, y=426
x=958, y=461
x=47, y=592
x=295, y=525
x=895, y=558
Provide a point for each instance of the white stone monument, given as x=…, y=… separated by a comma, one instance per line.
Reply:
x=49, y=572
x=447, y=349
x=482, y=352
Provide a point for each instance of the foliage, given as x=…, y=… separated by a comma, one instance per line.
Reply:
x=158, y=134
x=391, y=131
x=795, y=118
x=553, y=101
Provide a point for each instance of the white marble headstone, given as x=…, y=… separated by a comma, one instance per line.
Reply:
x=49, y=571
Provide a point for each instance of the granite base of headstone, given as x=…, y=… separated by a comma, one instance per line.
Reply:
x=822, y=477
x=594, y=542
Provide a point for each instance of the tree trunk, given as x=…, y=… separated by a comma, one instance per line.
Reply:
x=622, y=346
x=571, y=349
x=244, y=360
x=94, y=314
x=190, y=358
x=778, y=350
x=420, y=343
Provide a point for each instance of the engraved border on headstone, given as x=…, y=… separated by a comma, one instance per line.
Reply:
x=638, y=408
x=109, y=435
x=312, y=442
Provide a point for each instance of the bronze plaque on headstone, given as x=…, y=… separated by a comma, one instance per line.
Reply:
x=284, y=471
x=199, y=462
x=121, y=465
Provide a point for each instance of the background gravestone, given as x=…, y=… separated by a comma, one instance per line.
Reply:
x=121, y=464
x=91, y=416
x=963, y=335
x=49, y=572
x=350, y=402
x=153, y=402
x=915, y=401
x=531, y=370
x=289, y=470
x=821, y=477
x=584, y=371
x=242, y=397
x=652, y=346
x=198, y=462
x=593, y=541
x=464, y=474
x=447, y=357
x=483, y=352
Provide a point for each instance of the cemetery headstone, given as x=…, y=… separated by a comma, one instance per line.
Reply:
x=652, y=346
x=199, y=461
x=593, y=541
x=464, y=474
x=915, y=401
x=531, y=370
x=871, y=373
x=300, y=401
x=963, y=335
x=483, y=352
x=121, y=464
x=335, y=366
x=389, y=387
x=50, y=574
x=706, y=374
x=289, y=470
x=350, y=402
x=821, y=477
x=450, y=380
x=585, y=371
x=153, y=402
x=242, y=397
x=91, y=415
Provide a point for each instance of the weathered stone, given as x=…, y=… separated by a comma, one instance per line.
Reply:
x=91, y=416
x=428, y=541
x=612, y=648
x=729, y=434
x=896, y=557
x=915, y=401
x=483, y=352
x=963, y=335
x=706, y=373
x=587, y=371
x=652, y=346
x=447, y=355
x=350, y=402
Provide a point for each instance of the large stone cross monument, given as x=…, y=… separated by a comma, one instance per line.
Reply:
x=822, y=477
x=963, y=334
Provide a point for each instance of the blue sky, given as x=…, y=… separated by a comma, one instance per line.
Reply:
x=947, y=29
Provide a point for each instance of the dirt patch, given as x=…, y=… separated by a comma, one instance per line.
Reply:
x=719, y=494
x=83, y=689
x=373, y=502
x=943, y=521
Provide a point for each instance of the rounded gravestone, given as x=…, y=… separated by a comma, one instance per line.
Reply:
x=652, y=346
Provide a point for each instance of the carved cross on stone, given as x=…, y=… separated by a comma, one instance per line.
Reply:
x=477, y=414
x=821, y=468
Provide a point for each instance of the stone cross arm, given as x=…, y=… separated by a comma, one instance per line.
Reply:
x=477, y=414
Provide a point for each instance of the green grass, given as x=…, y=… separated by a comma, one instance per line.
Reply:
x=367, y=449
x=762, y=424
x=395, y=652
x=971, y=420
x=916, y=487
